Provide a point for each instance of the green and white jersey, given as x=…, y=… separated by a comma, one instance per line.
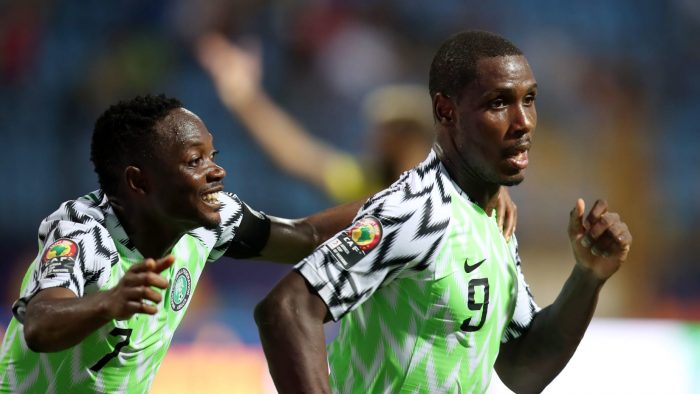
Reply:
x=83, y=247
x=427, y=289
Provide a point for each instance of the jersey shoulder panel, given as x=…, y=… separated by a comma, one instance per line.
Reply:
x=414, y=211
x=396, y=233
x=75, y=251
x=217, y=239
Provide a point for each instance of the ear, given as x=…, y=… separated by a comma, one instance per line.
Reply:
x=136, y=180
x=443, y=109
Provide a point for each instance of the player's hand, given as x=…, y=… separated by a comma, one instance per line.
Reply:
x=506, y=213
x=235, y=70
x=600, y=240
x=136, y=286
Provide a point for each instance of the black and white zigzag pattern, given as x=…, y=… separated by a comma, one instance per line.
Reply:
x=81, y=221
x=525, y=306
x=90, y=222
x=218, y=239
x=413, y=218
x=414, y=213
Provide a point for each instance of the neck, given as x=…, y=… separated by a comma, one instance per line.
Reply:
x=153, y=238
x=482, y=193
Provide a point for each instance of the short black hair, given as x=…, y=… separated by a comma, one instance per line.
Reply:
x=454, y=64
x=125, y=134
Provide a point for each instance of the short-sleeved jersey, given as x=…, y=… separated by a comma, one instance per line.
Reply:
x=83, y=247
x=427, y=289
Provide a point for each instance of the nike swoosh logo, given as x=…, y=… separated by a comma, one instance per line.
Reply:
x=469, y=268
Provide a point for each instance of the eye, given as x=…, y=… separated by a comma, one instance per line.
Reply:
x=195, y=161
x=529, y=99
x=214, y=153
x=497, y=103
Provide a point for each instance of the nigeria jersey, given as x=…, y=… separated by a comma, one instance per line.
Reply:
x=427, y=289
x=83, y=247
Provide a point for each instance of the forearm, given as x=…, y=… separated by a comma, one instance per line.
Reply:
x=292, y=240
x=52, y=325
x=531, y=362
x=327, y=223
x=286, y=141
x=293, y=341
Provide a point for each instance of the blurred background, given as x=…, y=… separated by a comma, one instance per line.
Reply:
x=618, y=105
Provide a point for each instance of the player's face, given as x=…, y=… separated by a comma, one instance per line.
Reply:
x=187, y=183
x=496, y=118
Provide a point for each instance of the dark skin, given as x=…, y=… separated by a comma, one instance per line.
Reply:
x=483, y=139
x=157, y=203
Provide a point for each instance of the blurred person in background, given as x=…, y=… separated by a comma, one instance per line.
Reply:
x=432, y=298
x=91, y=316
x=399, y=115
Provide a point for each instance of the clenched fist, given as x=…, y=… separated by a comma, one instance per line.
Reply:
x=600, y=240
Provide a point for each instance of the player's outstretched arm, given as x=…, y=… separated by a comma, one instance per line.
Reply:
x=57, y=319
x=236, y=73
x=600, y=242
x=292, y=240
x=290, y=321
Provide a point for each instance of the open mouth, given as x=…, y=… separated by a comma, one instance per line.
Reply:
x=211, y=198
x=519, y=160
x=517, y=156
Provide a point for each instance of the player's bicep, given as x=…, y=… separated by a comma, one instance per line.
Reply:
x=53, y=293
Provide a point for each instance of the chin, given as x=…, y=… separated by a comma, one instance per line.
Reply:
x=512, y=180
x=210, y=221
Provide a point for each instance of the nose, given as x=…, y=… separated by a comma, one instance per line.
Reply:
x=216, y=173
x=523, y=120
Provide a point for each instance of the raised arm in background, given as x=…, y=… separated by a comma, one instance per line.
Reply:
x=237, y=73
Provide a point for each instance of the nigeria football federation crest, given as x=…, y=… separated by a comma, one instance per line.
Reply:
x=181, y=289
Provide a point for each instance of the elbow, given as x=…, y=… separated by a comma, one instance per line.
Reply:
x=262, y=312
x=523, y=376
x=274, y=311
x=289, y=307
x=526, y=388
x=312, y=233
x=33, y=338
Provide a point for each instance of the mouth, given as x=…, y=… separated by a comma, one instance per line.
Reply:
x=519, y=161
x=517, y=156
x=211, y=198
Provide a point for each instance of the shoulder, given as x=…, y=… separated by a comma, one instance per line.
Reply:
x=421, y=190
x=82, y=221
x=87, y=210
x=412, y=216
x=231, y=213
x=84, y=214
